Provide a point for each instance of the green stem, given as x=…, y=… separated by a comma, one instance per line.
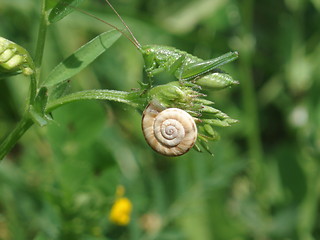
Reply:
x=42, y=32
x=252, y=124
x=25, y=123
x=33, y=90
x=9, y=142
x=250, y=100
x=132, y=98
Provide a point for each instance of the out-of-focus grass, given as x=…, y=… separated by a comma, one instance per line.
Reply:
x=263, y=182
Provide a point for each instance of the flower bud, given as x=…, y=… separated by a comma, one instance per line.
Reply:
x=12, y=62
x=171, y=94
x=6, y=55
x=14, y=59
x=216, y=81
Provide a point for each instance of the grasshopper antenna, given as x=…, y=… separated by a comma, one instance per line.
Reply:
x=124, y=23
x=134, y=40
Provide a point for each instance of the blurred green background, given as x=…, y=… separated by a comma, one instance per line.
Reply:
x=263, y=183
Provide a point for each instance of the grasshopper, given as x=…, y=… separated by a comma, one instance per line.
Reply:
x=182, y=65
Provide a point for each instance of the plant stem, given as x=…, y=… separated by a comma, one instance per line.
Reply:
x=24, y=124
x=250, y=100
x=132, y=98
x=33, y=90
x=42, y=32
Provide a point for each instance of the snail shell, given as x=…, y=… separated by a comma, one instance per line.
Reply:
x=171, y=132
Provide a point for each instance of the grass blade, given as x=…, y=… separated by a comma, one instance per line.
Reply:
x=81, y=58
x=62, y=9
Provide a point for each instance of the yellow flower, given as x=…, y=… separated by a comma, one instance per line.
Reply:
x=121, y=211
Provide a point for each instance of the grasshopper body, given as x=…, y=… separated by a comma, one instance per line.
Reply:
x=184, y=66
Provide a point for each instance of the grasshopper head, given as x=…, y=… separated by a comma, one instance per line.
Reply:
x=149, y=54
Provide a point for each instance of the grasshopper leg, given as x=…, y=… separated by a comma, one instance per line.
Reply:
x=154, y=71
x=173, y=68
x=196, y=69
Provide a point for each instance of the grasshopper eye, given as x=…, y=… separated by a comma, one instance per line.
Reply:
x=148, y=50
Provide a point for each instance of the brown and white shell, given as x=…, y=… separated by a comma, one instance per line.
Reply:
x=170, y=132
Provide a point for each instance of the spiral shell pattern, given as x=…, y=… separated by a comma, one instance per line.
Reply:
x=171, y=132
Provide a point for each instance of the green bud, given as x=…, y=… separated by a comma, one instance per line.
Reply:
x=231, y=121
x=216, y=122
x=13, y=62
x=209, y=130
x=204, y=101
x=172, y=95
x=3, y=45
x=216, y=81
x=6, y=55
x=14, y=59
x=207, y=109
x=27, y=71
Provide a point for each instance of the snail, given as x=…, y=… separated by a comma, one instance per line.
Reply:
x=170, y=132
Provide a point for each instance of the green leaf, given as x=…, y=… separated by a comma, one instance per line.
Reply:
x=62, y=9
x=50, y=4
x=37, y=117
x=59, y=90
x=81, y=58
x=37, y=111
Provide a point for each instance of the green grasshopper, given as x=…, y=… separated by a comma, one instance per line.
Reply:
x=182, y=65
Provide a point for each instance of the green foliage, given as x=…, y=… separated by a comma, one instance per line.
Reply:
x=60, y=8
x=59, y=182
x=81, y=58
